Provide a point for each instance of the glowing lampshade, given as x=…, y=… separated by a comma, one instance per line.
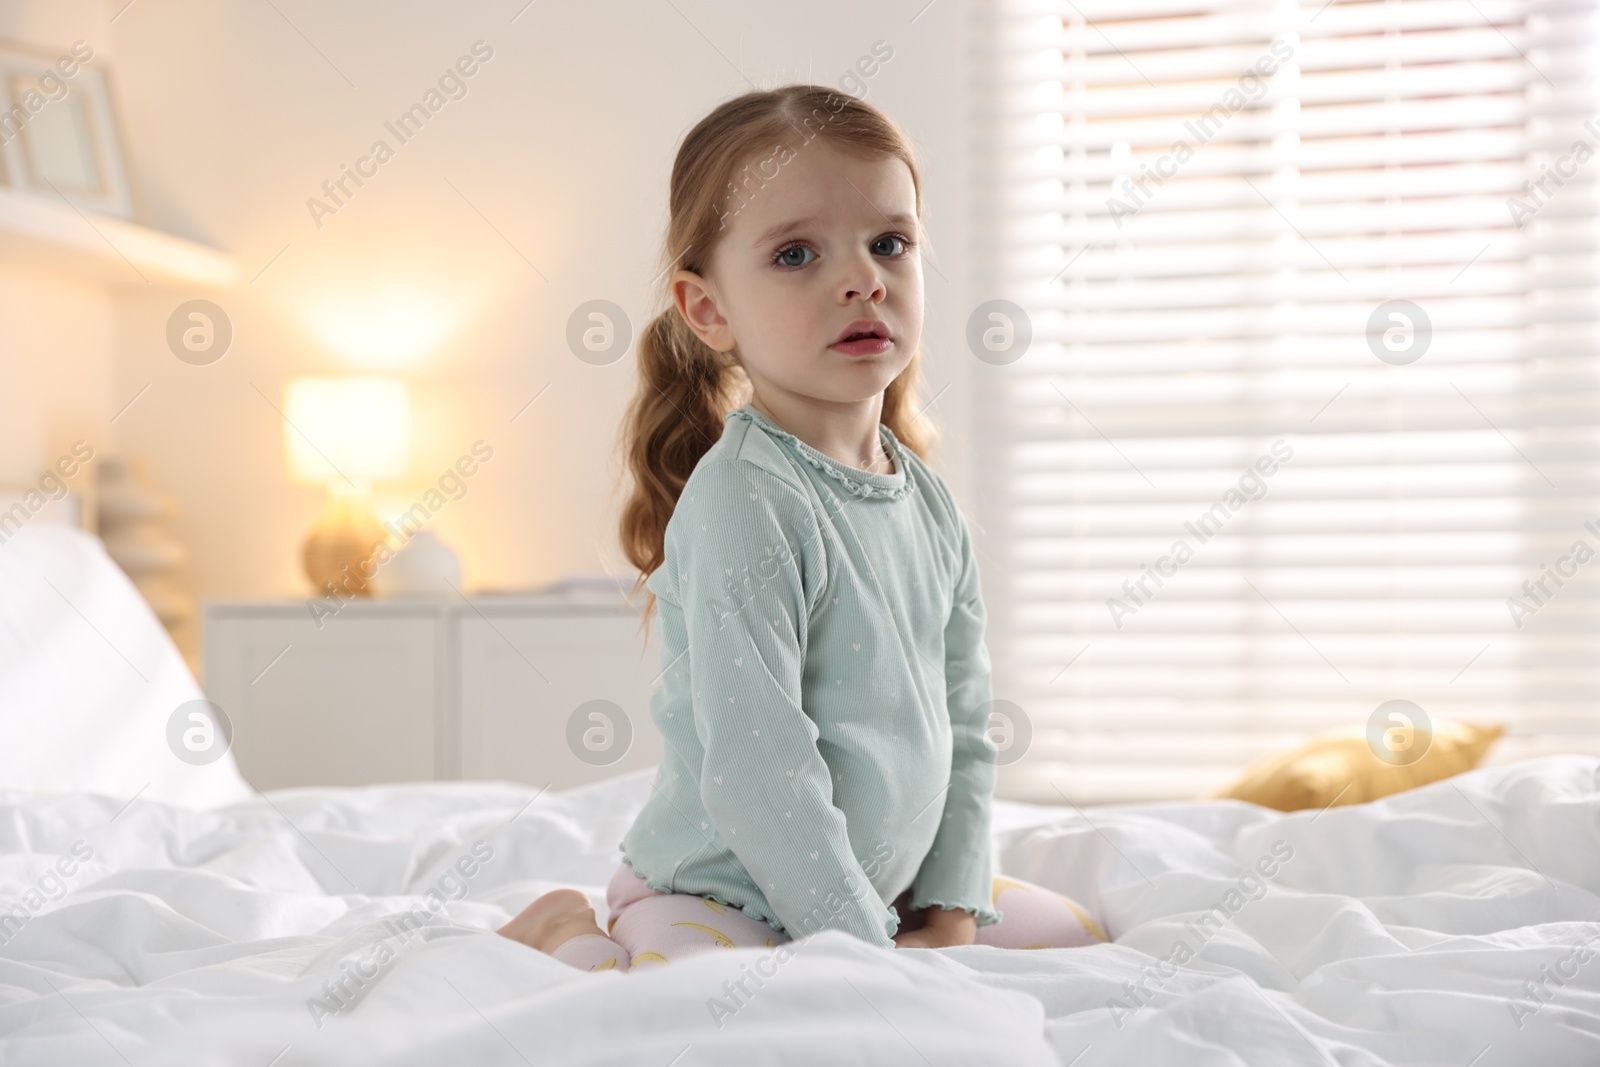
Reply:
x=347, y=432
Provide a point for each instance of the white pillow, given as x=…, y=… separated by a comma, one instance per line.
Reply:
x=90, y=682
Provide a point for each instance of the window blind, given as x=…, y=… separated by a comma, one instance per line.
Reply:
x=1309, y=290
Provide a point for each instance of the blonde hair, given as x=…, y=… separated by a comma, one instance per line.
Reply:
x=686, y=388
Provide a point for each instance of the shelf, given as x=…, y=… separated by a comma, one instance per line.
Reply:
x=36, y=231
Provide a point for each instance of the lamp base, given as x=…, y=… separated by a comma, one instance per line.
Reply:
x=338, y=552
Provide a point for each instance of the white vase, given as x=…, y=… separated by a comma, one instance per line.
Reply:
x=424, y=566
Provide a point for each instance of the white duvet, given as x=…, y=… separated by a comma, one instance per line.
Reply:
x=1450, y=925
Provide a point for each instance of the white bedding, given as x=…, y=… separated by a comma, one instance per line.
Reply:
x=1400, y=932
x=89, y=681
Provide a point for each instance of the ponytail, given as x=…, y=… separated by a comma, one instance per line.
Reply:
x=685, y=391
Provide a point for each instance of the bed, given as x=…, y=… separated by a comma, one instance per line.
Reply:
x=197, y=921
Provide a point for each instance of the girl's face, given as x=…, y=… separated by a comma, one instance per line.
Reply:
x=825, y=245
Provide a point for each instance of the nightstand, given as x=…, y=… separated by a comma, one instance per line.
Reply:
x=547, y=690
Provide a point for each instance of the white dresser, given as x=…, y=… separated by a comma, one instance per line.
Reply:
x=548, y=690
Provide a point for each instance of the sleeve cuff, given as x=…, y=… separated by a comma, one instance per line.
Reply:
x=987, y=914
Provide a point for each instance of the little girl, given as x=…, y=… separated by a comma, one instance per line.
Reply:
x=825, y=691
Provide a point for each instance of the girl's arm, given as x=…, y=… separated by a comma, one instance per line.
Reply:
x=956, y=874
x=751, y=568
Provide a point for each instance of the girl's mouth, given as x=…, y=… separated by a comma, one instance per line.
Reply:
x=863, y=338
x=868, y=345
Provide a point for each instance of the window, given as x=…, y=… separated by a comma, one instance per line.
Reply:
x=1309, y=416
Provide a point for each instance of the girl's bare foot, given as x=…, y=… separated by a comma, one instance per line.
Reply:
x=552, y=920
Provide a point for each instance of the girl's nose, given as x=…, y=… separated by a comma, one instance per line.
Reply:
x=862, y=279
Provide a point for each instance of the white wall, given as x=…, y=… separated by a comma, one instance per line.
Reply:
x=56, y=332
x=56, y=340
x=564, y=142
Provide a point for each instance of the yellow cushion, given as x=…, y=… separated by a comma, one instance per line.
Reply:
x=1317, y=774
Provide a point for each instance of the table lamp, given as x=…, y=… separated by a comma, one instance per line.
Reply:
x=345, y=433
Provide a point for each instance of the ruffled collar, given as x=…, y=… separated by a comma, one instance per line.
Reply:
x=856, y=481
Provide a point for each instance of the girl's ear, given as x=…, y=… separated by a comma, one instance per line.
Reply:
x=696, y=302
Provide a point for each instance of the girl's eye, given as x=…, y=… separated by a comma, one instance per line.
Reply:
x=786, y=256
x=891, y=244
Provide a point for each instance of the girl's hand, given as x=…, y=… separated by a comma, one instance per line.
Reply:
x=940, y=929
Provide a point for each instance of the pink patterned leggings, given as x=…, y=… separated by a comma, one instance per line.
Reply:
x=651, y=927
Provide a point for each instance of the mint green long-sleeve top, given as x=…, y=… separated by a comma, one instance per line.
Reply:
x=825, y=691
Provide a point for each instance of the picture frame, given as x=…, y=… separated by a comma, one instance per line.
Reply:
x=59, y=133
